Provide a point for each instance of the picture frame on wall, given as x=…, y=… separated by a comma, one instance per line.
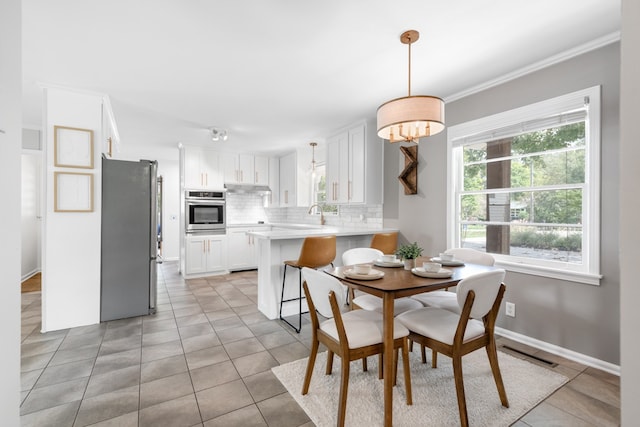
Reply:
x=73, y=192
x=73, y=147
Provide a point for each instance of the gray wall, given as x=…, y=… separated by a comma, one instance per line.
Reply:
x=579, y=317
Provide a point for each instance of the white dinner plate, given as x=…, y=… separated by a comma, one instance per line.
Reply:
x=442, y=274
x=373, y=274
x=381, y=263
x=452, y=263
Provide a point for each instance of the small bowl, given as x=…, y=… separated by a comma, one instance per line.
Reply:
x=389, y=258
x=362, y=268
x=446, y=257
x=431, y=267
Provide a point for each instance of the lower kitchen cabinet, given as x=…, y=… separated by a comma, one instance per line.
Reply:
x=243, y=252
x=206, y=253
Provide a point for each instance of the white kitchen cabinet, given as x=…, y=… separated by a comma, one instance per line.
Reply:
x=274, y=181
x=205, y=253
x=239, y=168
x=261, y=168
x=110, y=143
x=202, y=169
x=288, y=180
x=230, y=166
x=338, y=168
x=354, y=165
x=243, y=252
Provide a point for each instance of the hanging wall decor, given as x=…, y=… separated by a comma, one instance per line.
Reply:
x=72, y=192
x=73, y=147
x=409, y=175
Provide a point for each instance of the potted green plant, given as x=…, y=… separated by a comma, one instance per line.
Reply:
x=408, y=253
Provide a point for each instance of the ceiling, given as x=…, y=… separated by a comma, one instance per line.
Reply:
x=280, y=73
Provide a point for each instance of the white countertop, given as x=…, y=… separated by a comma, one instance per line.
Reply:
x=248, y=224
x=300, y=231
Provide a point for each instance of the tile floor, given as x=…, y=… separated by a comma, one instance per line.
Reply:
x=204, y=359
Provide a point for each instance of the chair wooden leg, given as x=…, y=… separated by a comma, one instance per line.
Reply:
x=462, y=403
x=395, y=367
x=410, y=345
x=380, y=367
x=434, y=359
x=329, y=368
x=407, y=372
x=364, y=364
x=497, y=376
x=344, y=385
x=310, y=364
x=423, y=354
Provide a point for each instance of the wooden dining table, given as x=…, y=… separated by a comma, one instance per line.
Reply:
x=397, y=283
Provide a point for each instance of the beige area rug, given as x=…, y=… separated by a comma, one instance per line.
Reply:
x=434, y=397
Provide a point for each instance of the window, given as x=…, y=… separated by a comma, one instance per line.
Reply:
x=319, y=190
x=526, y=187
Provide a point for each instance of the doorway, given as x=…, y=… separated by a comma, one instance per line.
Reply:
x=31, y=219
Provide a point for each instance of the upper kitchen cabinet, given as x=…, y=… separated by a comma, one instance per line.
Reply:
x=354, y=165
x=288, y=180
x=110, y=141
x=202, y=169
x=261, y=167
x=238, y=168
x=274, y=181
x=245, y=169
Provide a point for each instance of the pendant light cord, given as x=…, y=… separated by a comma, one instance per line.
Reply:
x=409, y=84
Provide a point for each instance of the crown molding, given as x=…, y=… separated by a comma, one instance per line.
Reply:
x=552, y=60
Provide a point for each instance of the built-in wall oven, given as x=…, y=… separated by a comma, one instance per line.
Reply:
x=205, y=211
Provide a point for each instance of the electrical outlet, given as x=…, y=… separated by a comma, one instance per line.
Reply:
x=510, y=309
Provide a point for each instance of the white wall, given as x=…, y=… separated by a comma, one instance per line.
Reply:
x=629, y=177
x=71, y=240
x=170, y=172
x=10, y=148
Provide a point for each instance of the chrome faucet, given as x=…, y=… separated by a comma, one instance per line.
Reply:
x=321, y=211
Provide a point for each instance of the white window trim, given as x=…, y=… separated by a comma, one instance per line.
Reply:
x=589, y=272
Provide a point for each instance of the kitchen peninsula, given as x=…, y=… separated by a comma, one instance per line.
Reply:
x=284, y=243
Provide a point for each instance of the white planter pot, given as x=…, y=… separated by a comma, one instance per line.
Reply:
x=409, y=264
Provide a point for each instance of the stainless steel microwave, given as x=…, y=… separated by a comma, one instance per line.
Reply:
x=205, y=211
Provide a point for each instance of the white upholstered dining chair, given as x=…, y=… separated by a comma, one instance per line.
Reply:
x=372, y=302
x=447, y=299
x=455, y=335
x=351, y=334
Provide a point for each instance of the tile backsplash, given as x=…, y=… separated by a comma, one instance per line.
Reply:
x=246, y=208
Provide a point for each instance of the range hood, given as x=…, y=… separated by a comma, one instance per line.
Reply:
x=248, y=188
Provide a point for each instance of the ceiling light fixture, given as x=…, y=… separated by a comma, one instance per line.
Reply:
x=410, y=118
x=218, y=134
x=313, y=156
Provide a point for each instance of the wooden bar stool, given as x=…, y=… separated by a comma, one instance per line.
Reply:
x=316, y=252
x=386, y=242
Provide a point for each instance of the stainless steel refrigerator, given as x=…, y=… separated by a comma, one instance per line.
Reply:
x=129, y=239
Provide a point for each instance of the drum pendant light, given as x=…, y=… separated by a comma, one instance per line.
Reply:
x=410, y=118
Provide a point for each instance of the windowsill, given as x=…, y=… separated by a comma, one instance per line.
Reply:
x=536, y=270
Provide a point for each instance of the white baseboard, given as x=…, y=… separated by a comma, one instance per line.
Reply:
x=29, y=275
x=560, y=351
